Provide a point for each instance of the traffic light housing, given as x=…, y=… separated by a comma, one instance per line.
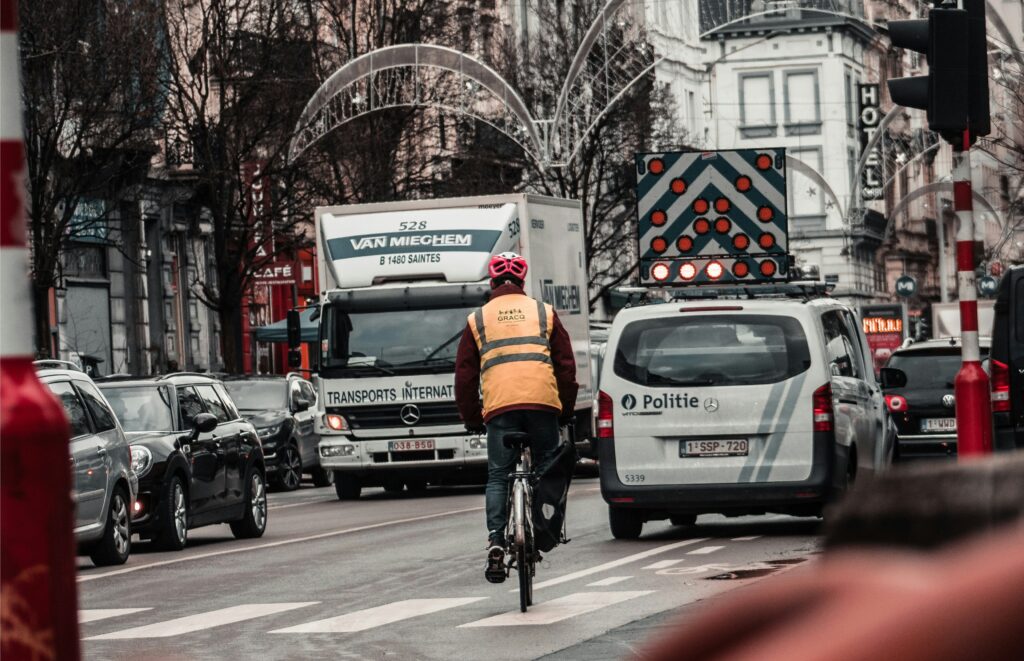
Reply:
x=954, y=93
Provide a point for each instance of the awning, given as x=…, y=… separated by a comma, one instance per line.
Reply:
x=278, y=331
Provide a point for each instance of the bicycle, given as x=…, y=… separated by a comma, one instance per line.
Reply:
x=519, y=530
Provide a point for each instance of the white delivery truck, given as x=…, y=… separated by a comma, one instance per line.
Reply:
x=398, y=280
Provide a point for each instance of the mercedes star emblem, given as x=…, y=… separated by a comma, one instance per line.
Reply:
x=410, y=414
x=710, y=404
x=949, y=401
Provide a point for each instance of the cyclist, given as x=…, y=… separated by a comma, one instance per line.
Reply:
x=516, y=353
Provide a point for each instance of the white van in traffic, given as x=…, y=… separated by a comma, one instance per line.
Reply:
x=736, y=407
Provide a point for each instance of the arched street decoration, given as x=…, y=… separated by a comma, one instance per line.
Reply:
x=613, y=56
x=938, y=187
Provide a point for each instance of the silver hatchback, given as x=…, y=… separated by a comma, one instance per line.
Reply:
x=105, y=485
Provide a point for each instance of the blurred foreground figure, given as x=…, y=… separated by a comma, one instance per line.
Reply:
x=965, y=602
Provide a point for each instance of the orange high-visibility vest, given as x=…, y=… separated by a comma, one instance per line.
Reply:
x=513, y=334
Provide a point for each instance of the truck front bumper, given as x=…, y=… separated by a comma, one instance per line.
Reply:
x=450, y=454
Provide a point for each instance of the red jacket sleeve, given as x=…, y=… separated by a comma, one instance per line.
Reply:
x=564, y=363
x=467, y=380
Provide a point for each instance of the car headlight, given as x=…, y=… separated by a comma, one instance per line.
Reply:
x=266, y=432
x=142, y=459
x=337, y=450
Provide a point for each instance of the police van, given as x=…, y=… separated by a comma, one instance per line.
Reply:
x=736, y=403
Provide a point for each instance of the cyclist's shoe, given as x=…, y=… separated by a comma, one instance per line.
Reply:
x=495, y=569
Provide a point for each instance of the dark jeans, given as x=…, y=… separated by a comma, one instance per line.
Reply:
x=542, y=426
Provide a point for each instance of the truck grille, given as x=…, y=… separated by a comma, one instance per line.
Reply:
x=416, y=455
x=390, y=415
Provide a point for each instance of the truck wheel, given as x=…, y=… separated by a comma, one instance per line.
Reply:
x=393, y=485
x=322, y=477
x=625, y=524
x=346, y=486
x=683, y=519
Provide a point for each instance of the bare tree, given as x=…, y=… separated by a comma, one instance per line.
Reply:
x=90, y=94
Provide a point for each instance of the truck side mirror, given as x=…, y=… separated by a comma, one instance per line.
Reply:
x=294, y=332
x=294, y=358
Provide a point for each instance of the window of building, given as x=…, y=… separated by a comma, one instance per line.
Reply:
x=85, y=260
x=757, y=105
x=691, y=111
x=849, y=97
x=802, y=102
x=806, y=199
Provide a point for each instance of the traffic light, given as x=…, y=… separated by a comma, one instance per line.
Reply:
x=977, y=70
x=944, y=39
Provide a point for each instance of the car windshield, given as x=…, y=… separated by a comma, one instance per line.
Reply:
x=929, y=370
x=257, y=395
x=712, y=350
x=402, y=341
x=141, y=408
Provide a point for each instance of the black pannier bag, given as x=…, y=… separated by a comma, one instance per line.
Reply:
x=549, y=498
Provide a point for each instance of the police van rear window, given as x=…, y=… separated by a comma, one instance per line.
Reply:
x=712, y=350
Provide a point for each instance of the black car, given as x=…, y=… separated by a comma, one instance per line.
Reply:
x=283, y=410
x=198, y=461
x=1006, y=364
x=924, y=410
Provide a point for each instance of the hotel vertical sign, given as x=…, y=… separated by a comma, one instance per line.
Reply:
x=868, y=117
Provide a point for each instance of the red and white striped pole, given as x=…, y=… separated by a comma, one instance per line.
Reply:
x=37, y=554
x=973, y=400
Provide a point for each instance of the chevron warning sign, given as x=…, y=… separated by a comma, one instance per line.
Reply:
x=714, y=216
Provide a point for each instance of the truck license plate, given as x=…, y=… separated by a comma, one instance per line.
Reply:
x=938, y=424
x=407, y=446
x=726, y=448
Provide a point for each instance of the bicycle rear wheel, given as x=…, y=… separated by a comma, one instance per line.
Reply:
x=524, y=565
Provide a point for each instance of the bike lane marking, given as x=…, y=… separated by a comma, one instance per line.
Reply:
x=617, y=563
x=380, y=615
x=704, y=550
x=95, y=614
x=192, y=623
x=662, y=564
x=559, y=609
x=611, y=580
x=282, y=542
x=748, y=538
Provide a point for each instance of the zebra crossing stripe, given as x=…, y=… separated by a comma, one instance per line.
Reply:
x=95, y=614
x=192, y=623
x=559, y=609
x=379, y=616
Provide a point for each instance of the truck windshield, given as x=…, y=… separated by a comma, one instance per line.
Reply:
x=366, y=344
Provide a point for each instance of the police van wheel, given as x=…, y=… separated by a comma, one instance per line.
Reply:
x=625, y=523
x=347, y=486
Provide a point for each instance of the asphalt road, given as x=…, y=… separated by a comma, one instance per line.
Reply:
x=401, y=577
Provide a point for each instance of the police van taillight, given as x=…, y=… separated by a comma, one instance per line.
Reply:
x=822, y=400
x=605, y=411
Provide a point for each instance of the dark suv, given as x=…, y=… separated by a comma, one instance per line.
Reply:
x=198, y=461
x=283, y=410
x=1006, y=367
x=924, y=410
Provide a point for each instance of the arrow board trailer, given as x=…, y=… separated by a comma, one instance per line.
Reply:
x=712, y=217
x=399, y=280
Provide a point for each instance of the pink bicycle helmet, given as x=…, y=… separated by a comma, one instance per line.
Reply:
x=507, y=263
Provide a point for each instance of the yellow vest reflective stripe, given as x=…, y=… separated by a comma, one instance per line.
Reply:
x=513, y=335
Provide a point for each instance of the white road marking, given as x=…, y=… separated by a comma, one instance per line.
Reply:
x=379, y=616
x=636, y=557
x=305, y=502
x=559, y=609
x=283, y=542
x=661, y=564
x=191, y=623
x=749, y=538
x=94, y=614
x=611, y=580
x=704, y=550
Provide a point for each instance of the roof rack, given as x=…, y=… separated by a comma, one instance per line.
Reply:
x=172, y=374
x=806, y=291
x=53, y=363
x=120, y=377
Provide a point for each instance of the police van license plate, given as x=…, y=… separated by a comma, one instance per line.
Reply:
x=726, y=448
x=412, y=445
x=938, y=424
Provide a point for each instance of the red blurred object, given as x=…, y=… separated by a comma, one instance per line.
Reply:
x=822, y=400
x=963, y=604
x=605, y=410
x=1000, y=386
x=896, y=403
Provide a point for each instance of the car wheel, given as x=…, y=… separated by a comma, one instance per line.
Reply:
x=116, y=544
x=254, y=521
x=347, y=487
x=683, y=519
x=322, y=477
x=172, y=523
x=625, y=524
x=289, y=475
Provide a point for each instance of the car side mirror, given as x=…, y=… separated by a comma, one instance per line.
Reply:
x=891, y=377
x=301, y=404
x=203, y=423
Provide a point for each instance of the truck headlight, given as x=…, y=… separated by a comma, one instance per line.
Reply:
x=336, y=422
x=478, y=443
x=337, y=450
x=142, y=459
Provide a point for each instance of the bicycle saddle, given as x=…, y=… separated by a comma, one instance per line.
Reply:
x=516, y=439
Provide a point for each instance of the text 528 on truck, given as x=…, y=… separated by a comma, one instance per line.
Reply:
x=399, y=282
